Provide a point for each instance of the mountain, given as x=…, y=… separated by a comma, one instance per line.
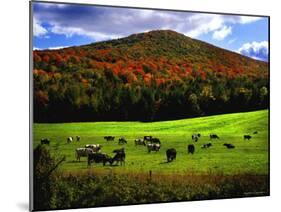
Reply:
x=161, y=70
x=165, y=49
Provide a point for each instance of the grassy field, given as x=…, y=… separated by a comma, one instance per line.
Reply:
x=248, y=157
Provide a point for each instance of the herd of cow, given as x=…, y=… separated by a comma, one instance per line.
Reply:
x=94, y=154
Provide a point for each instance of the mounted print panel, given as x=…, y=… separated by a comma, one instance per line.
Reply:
x=137, y=106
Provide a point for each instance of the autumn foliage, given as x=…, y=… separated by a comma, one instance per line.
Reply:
x=154, y=73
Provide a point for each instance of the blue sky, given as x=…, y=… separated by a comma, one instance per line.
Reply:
x=62, y=25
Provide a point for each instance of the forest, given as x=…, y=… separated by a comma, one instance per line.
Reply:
x=158, y=75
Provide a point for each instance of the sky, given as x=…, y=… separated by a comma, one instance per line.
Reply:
x=57, y=26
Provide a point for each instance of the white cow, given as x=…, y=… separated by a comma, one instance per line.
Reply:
x=83, y=152
x=94, y=147
x=69, y=140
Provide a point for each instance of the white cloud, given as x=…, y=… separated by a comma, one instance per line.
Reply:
x=38, y=29
x=256, y=50
x=50, y=48
x=248, y=19
x=222, y=33
x=70, y=31
x=36, y=48
x=203, y=24
x=57, y=47
x=103, y=23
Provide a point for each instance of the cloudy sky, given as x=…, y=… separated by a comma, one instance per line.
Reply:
x=62, y=25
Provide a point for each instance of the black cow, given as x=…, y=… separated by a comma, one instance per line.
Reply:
x=214, y=136
x=109, y=138
x=190, y=148
x=78, y=138
x=229, y=146
x=155, y=141
x=122, y=140
x=99, y=157
x=256, y=132
x=119, y=157
x=118, y=150
x=171, y=154
x=206, y=145
x=45, y=141
x=247, y=137
x=147, y=138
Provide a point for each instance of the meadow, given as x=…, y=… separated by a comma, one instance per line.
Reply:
x=248, y=157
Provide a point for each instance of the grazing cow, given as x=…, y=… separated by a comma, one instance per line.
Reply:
x=139, y=141
x=256, y=132
x=214, y=136
x=45, y=141
x=147, y=138
x=99, y=157
x=109, y=138
x=171, y=154
x=69, y=139
x=190, y=148
x=153, y=147
x=118, y=150
x=206, y=145
x=119, y=156
x=247, y=137
x=94, y=147
x=229, y=146
x=77, y=138
x=155, y=141
x=195, y=137
x=122, y=140
x=82, y=152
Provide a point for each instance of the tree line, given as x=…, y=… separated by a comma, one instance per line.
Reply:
x=93, y=95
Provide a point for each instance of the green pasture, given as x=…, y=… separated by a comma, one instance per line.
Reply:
x=248, y=157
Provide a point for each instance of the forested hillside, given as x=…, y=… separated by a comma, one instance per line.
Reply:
x=158, y=75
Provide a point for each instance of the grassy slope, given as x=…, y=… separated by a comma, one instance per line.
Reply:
x=247, y=157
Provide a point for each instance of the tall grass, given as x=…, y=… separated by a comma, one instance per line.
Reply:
x=100, y=189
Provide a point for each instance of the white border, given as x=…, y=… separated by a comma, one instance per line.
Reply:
x=14, y=192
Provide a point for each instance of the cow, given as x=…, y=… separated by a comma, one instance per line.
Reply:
x=69, y=139
x=82, y=152
x=122, y=140
x=214, y=136
x=119, y=156
x=78, y=138
x=147, y=138
x=155, y=141
x=256, y=132
x=171, y=154
x=247, y=137
x=99, y=157
x=204, y=146
x=139, y=141
x=190, y=148
x=118, y=150
x=194, y=137
x=45, y=141
x=153, y=147
x=94, y=147
x=109, y=138
x=229, y=146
